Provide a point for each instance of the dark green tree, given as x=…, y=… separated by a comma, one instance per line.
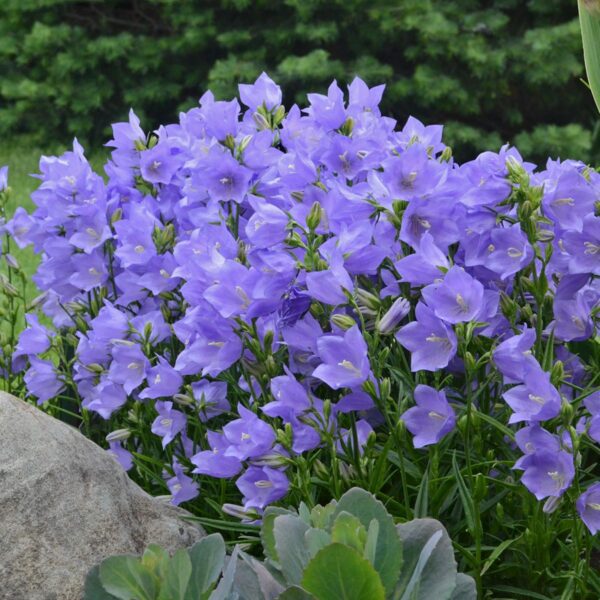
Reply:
x=490, y=71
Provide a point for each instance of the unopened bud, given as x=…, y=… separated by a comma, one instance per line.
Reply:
x=95, y=368
x=365, y=298
x=260, y=121
x=344, y=322
x=551, y=504
x=557, y=374
x=116, y=216
x=239, y=512
x=119, y=435
x=183, y=400
x=279, y=115
x=314, y=216
x=393, y=316
x=11, y=261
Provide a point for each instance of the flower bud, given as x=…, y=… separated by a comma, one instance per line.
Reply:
x=344, y=322
x=279, y=115
x=116, y=216
x=393, y=316
x=183, y=400
x=551, y=504
x=480, y=491
x=566, y=411
x=239, y=512
x=314, y=216
x=11, y=261
x=557, y=374
x=470, y=364
x=118, y=435
x=365, y=298
x=95, y=368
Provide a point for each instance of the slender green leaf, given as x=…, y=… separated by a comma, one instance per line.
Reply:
x=465, y=496
x=496, y=554
x=589, y=19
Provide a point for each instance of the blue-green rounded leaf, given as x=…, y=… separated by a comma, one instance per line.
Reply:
x=94, y=590
x=338, y=572
x=208, y=560
x=388, y=548
x=177, y=576
x=126, y=578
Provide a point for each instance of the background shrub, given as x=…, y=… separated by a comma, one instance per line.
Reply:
x=492, y=72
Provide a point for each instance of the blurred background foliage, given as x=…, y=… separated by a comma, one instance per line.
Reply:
x=491, y=71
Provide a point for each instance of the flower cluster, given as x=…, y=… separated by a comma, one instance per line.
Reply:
x=233, y=286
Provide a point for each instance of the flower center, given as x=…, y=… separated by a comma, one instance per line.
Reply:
x=514, y=252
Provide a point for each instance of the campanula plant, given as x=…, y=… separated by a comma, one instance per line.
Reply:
x=262, y=304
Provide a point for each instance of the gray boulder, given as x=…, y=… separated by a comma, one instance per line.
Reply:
x=65, y=505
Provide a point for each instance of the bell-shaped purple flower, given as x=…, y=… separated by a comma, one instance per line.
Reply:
x=129, y=366
x=588, y=507
x=431, y=419
x=42, y=381
x=535, y=400
x=345, y=359
x=262, y=486
x=169, y=422
x=547, y=473
x=248, y=436
x=163, y=381
x=181, y=486
x=431, y=342
x=264, y=91
x=213, y=462
x=457, y=299
x=513, y=356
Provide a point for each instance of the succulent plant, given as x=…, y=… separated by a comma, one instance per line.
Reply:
x=346, y=550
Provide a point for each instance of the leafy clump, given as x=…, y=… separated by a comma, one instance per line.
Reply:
x=346, y=550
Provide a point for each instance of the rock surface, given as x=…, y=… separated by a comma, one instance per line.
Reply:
x=65, y=505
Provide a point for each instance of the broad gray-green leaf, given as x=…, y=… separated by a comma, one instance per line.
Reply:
x=340, y=573
x=316, y=539
x=253, y=580
x=208, y=559
x=465, y=588
x=589, y=19
x=429, y=569
x=94, y=590
x=177, y=576
x=371, y=543
x=295, y=593
x=225, y=587
x=156, y=559
x=388, y=550
x=266, y=532
x=347, y=529
x=291, y=547
x=125, y=577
